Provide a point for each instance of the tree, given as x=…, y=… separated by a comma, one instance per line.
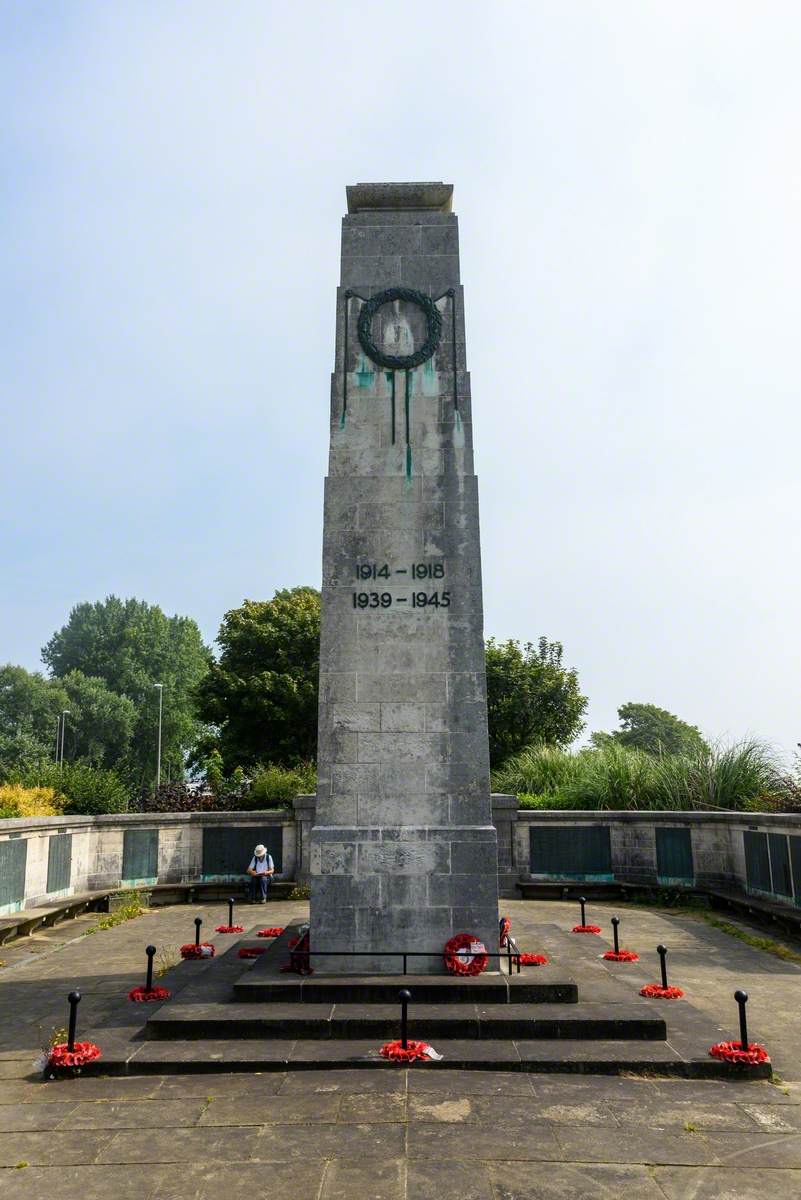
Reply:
x=131, y=646
x=262, y=692
x=97, y=731
x=531, y=697
x=652, y=729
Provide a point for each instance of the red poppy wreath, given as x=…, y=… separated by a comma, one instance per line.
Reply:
x=464, y=954
x=80, y=1054
x=414, y=1051
x=533, y=960
x=621, y=956
x=655, y=991
x=733, y=1052
x=229, y=929
x=252, y=951
x=192, y=950
x=273, y=931
x=143, y=995
x=586, y=929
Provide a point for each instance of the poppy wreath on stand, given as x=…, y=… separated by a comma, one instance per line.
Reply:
x=80, y=1054
x=251, y=951
x=143, y=995
x=655, y=991
x=532, y=960
x=191, y=950
x=621, y=956
x=229, y=929
x=506, y=925
x=299, y=957
x=464, y=954
x=733, y=1052
x=273, y=931
x=586, y=929
x=414, y=1051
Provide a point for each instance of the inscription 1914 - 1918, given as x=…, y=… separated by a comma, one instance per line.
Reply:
x=417, y=570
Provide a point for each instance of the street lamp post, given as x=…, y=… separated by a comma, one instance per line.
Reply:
x=160, y=687
x=64, y=714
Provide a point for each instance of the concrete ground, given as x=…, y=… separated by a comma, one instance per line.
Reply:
x=387, y=1135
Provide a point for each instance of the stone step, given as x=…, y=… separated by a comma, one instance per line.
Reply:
x=568, y=1056
x=633, y=1021
x=265, y=983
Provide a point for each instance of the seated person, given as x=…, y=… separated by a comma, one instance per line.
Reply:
x=261, y=872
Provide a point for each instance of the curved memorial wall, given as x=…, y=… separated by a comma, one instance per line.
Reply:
x=45, y=859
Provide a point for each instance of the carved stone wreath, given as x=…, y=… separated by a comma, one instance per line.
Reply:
x=400, y=362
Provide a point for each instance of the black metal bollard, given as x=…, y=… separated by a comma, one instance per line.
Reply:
x=74, y=999
x=615, y=923
x=742, y=1000
x=150, y=952
x=404, y=995
x=230, y=910
x=198, y=923
x=662, y=952
x=582, y=902
x=509, y=955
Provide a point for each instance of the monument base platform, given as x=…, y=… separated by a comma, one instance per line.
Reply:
x=534, y=1022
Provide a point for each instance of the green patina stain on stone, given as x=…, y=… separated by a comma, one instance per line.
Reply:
x=364, y=377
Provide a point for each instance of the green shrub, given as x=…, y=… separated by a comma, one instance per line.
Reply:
x=277, y=787
x=744, y=777
x=86, y=791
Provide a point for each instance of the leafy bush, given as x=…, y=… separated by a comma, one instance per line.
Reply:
x=86, y=791
x=277, y=787
x=19, y=801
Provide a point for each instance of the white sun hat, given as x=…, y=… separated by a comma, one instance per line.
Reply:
x=260, y=849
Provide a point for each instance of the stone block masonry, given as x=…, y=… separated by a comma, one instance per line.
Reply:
x=403, y=851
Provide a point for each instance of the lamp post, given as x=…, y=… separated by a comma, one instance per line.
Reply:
x=64, y=714
x=160, y=687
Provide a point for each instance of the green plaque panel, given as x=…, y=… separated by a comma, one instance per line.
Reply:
x=674, y=854
x=140, y=854
x=13, y=859
x=780, y=864
x=227, y=852
x=795, y=859
x=59, y=862
x=757, y=863
x=570, y=852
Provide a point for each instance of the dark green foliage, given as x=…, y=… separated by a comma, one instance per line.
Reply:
x=652, y=729
x=262, y=692
x=88, y=791
x=131, y=646
x=531, y=698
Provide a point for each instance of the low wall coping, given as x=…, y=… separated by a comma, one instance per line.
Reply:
x=271, y=816
x=568, y=816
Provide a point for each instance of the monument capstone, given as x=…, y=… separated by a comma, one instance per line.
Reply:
x=403, y=850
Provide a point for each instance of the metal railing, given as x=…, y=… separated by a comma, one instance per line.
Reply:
x=510, y=954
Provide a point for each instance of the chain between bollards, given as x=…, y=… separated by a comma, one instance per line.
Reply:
x=662, y=952
x=404, y=995
x=742, y=1000
x=150, y=952
x=230, y=910
x=198, y=923
x=582, y=902
x=615, y=923
x=74, y=999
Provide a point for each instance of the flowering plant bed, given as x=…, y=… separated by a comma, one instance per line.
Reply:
x=273, y=931
x=82, y=1052
x=414, y=1052
x=621, y=956
x=586, y=929
x=655, y=991
x=143, y=995
x=251, y=951
x=532, y=960
x=229, y=929
x=733, y=1052
x=204, y=950
x=464, y=954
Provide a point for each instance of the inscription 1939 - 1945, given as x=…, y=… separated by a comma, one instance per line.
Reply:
x=417, y=599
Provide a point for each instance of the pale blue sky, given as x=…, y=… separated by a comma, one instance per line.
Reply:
x=627, y=181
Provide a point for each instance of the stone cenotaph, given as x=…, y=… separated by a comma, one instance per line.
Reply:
x=403, y=851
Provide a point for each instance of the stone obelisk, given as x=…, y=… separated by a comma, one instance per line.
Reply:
x=403, y=850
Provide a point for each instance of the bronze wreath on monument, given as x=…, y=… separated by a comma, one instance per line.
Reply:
x=400, y=362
